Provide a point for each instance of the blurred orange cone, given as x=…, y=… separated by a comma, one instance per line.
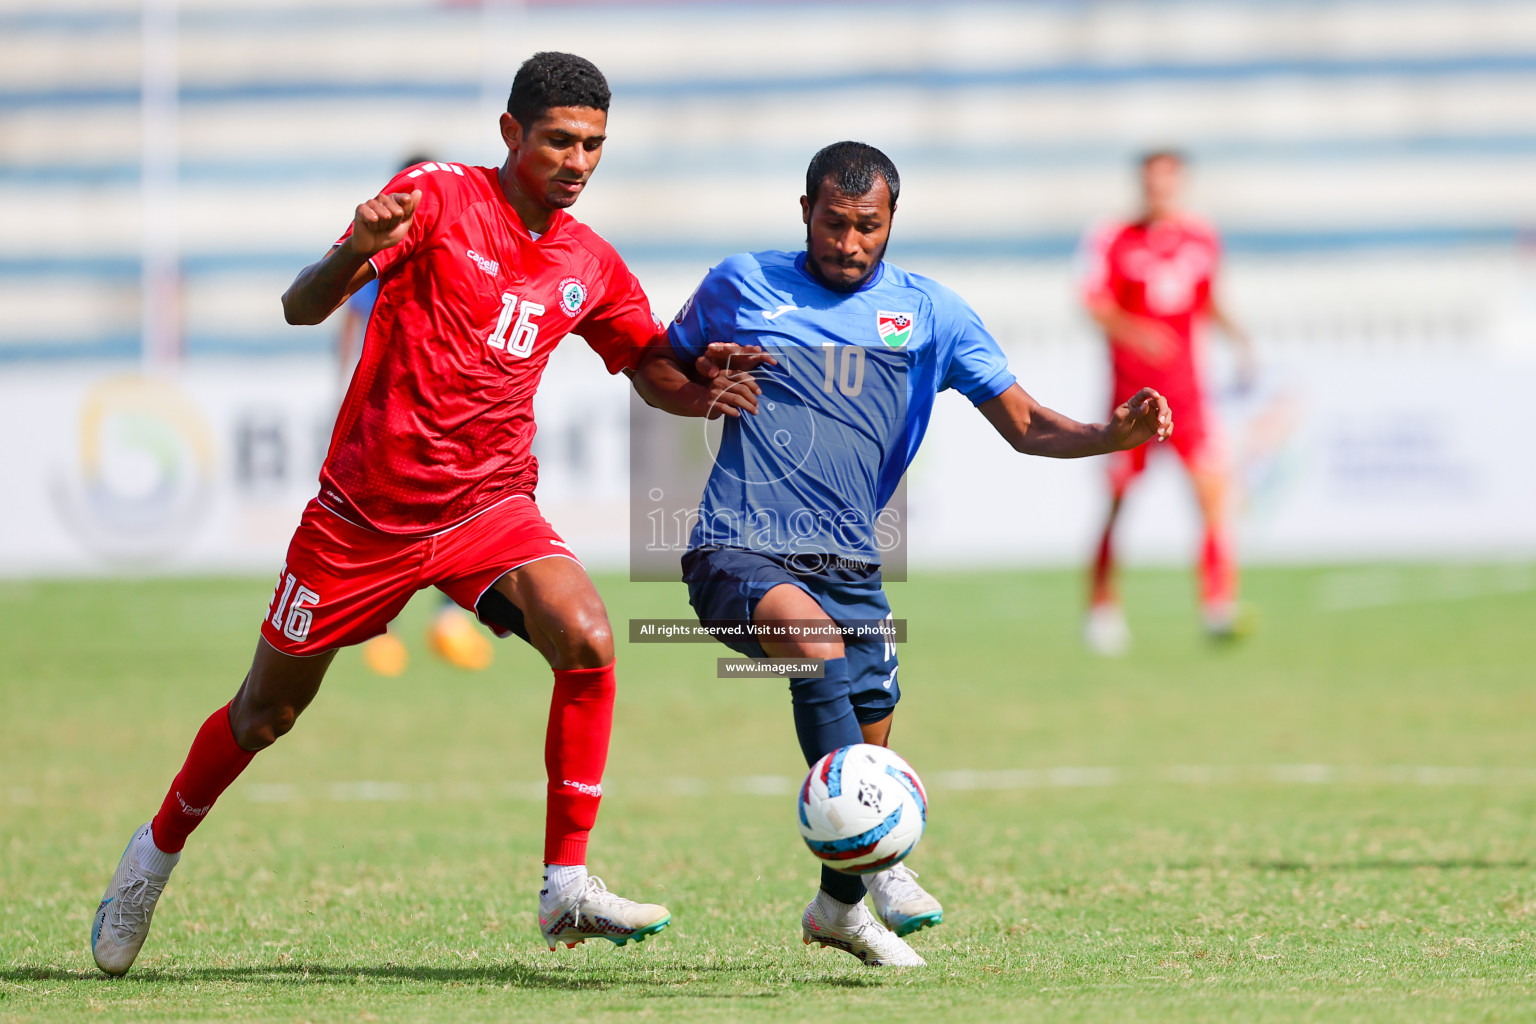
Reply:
x=454, y=638
x=386, y=655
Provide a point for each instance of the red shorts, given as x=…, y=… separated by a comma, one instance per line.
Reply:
x=1196, y=438
x=343, y=583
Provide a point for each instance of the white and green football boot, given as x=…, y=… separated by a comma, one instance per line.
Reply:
x=853, y=929
x=590, y=911
x=122, y=920
x=901, y=903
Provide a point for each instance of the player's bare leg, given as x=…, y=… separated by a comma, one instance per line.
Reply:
x=824, y=721
x=568, y=625
x=1218, y=562
x=878, y=733
x=824, y=716
x=1105, y=631
x=275, y=691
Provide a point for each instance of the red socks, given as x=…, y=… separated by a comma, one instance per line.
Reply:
x=575, y=753
x=214, y=761
x=1218, y=570
x=1103, y=591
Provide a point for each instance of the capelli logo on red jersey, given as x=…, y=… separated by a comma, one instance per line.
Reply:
x=489, y=266
x=586, y=788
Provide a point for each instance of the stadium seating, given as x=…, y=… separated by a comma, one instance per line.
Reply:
x=1370, y=162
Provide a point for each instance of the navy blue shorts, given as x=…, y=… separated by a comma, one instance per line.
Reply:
x=725, y=584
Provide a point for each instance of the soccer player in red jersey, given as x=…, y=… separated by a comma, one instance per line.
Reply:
x=1149, y=285
x=429, y=479
x=452, y=634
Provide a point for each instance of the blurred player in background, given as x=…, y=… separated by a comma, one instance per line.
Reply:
x=451, y=635
x=787, y=529
x=430, y=477
x=1149, y=284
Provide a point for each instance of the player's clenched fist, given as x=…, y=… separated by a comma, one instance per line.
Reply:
x=1144, y=416
x=383, y=221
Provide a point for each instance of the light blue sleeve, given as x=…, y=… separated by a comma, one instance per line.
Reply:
x=710, y=312
x=361, y=301
x=976, y=366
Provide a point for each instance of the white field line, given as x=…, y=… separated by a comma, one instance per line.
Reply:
x=466, y=791
x=1352, y=589
x=374, y=791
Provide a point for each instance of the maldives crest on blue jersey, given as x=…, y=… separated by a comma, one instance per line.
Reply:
x=895, y=328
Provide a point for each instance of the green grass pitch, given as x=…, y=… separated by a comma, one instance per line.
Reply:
x=1333, y=821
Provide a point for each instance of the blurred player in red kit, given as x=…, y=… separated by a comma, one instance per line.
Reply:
x=430, y=477
x=1149, y=284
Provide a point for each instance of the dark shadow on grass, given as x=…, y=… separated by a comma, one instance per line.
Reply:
x=575, y=978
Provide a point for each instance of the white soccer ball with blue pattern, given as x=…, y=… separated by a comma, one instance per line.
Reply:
x=862, y=808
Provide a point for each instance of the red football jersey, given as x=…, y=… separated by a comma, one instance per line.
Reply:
x=1162, y=271
x=437, y=424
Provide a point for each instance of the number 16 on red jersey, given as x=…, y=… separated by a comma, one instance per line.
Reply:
x=524, y=332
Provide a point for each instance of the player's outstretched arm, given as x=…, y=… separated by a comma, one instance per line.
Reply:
x=1242, y=344
x=1154, y=339
x=720, y=383
x=1033, y=429
x=322, y=286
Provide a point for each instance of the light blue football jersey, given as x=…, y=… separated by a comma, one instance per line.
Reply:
x=842, y=415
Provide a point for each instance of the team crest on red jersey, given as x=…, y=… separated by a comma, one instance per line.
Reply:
x=895, y=328
x=573, y=295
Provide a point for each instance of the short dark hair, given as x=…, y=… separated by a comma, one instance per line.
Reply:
x=853, y=168
x=419, y=157
x=1167, y=153
x=551, y=79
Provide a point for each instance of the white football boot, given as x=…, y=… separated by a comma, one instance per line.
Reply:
x=122, y=920
x=1105, y=631
x=853, y=929
x=901, y=903
x=590, y=911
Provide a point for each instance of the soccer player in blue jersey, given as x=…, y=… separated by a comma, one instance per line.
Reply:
x=850, y=354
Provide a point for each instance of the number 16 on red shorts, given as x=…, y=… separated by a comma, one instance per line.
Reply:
x=343, y=583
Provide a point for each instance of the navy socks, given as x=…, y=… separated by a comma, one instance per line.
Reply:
x=824, y=721
x=824, y=718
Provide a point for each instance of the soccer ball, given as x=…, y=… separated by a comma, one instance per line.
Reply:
x=862, y=809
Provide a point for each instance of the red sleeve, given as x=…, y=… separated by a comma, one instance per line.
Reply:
x=428, y=211
x=621, y=326
x=1207, y=287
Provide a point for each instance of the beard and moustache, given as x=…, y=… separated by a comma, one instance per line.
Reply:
x=815, y=265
